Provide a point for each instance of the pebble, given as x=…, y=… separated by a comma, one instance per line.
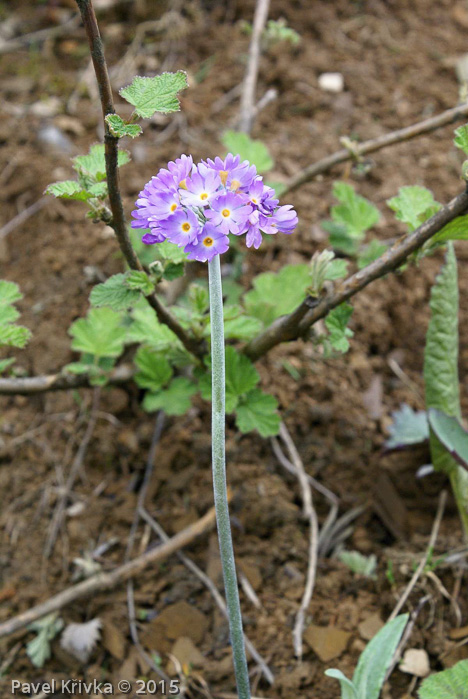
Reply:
x=331, y=82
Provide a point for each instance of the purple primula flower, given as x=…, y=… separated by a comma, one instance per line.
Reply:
x=181, y=228
x=230, y=212
x=201, y=189
x=196, y=207
x=209, y=243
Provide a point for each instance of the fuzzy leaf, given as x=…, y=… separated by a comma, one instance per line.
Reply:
x=175, y=400
x=275, y=295
x=461, y=138
x=94, y=163
x=348, y=690
x=359, y=564
x=100, y=333
x=154, y=369
x=371, y=252
x=255, y=152
x=14, y=336
x=448, y=684
x=145, y=328
x=351, y=218
x=115, y=293
x=241, y=375
x=238, y=325
x=457, y=229
x=140, y=281
x=451, y=434
x=119, y=128
x=38, y=650
x=376, y=658
x=408, y=427
x=68, y=189
x=258, y=411
x=413, y=205
x=336, y=322
x=157, y=94
x=80, y=639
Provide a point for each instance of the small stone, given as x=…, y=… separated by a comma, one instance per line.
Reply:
x=327, y=642
x=370, y=626
x=415, y=662
x=331, y=82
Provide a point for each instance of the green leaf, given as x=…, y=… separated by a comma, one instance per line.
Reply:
x=275, y=295
x=354, y=215
x=98, y=190
x=461, y=138
x=5, y=363
x=167, y=251
x=115, y=293
x=258, y=411
x=323, y=267
x=173, y=271
x=241, y=375
x=413, y=205
x=154, y=369
x=9, y=293
x=348, y=690
x=175, y=400
x=145, y=328
x=157, y=94
x=11, y=335
x=39, y=650
x=371, y=252
x=336, y=322
x=409, y=427
x=376, y=658
x=255, y=152
x=14, y=336
x=277, y=30
x=451, y=434
x=139, y=281
x=93, y=164
x=238, y=325
x=119, y=128
x=100, y=333
x=457, y=229
x=359, y=564
x=448, y=684
x=68, y=189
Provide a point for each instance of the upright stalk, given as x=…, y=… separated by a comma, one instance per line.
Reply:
x=219, y=479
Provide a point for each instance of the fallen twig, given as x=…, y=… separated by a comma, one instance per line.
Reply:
x=107, y=581
x=297, y=323
x=311, y=515
x=247, y=106
x=430, y=547
x=59, y=382
x=22, y=217
x=212, y=589
x=375, y=144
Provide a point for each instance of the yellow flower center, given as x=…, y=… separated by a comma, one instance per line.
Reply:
x=173, y=206
x=186, y=227
x=235, y=184
x=225, y=213
x=203, y=196
x=182, y=184
x=223, y=174
x=208, y=242
x=254, y=201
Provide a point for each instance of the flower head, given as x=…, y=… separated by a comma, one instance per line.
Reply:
x=197, y=207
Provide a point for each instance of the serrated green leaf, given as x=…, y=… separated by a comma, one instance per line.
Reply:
x=100, y=333
x=441, y=356
x=68, y=189
x=167, y=251
x=359, y=564
x=139, y=281
x=348, y=690
x=145, y=328
x=451, y=434
x=461, y=138
x=337, y=269
x=175, y=400
x=413, y=205
x=154, y=369
x=238, y=325
x=115, y=293
x=241, y=375
x=256, y=152
x=119, y=128
x=409, y=427
x=9, y=293
x=455, y=230
x=376, y=658
x=157, y=94
x=448, y=684
x=354, y=215
x=371, y=252
x=275, y=295
x=336, y=322
x=5, y=363
x=98, y=190
x=14, y=336
x=93, y=164
x=258, y=411
x=39, y=649
x=173, y=271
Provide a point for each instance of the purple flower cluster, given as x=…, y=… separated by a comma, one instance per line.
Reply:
x=196, y=207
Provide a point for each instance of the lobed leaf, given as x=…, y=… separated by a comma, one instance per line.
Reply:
x=154, y=369
x=276, y=294
x=139, y=281
x=336, y=323
x=408, y=428
x=14, y=336
x=115, y=293
x=119, y=128
x=100, y=333
x=93, y=164
x=258, y=411
x=157, y=94
x=461, y=138
x=256, y=152
x=413, y=205
x=241, y=375
x=457, y=229
x=68, y=189
x=175, y=400
x=448, y=684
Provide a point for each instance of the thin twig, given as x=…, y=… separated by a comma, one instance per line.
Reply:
x=22, y=217
x=59, y=382
x=209, y=584
x=59, y=512
x=359, y=149
x=297, y=323
x=311, y=515
x=107, y=581
x=428, y=552
x=118, y=221
x=41, y=35
x=250, y=82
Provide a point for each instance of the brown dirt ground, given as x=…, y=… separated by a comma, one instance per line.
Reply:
x=397, y=58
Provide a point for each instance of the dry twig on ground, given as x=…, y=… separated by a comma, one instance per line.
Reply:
x=247, y=107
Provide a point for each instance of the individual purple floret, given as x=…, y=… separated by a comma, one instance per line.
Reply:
x=197, y=207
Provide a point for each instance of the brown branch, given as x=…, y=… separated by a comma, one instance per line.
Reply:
x=107, y=581
x=118, y=221
x=247, y=108
x=59, y=382
x=296, y=324
x=375, y=144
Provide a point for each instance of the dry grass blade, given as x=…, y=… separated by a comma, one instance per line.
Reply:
x=247, y=108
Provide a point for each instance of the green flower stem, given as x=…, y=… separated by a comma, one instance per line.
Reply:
x=219, y=479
